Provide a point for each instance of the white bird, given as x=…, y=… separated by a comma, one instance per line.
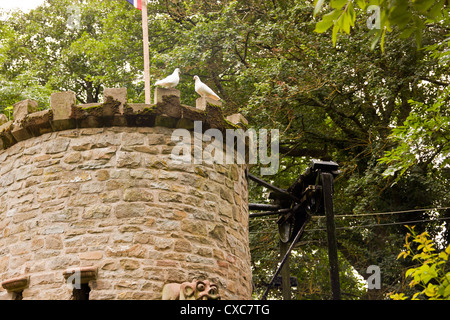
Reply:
x=203, y=90
x=169, y=81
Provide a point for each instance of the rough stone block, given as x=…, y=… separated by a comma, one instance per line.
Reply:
x=61, y=104
x=19, y=133
x=214, y=117
x=119, y=121
x=161, y=92
x=128, y=159
x=238, y=119
x=139, y=109
x=6, y=138
x=91, y=255
x=185, y=124
x=90, y=115
x=3, y=119
x=23, y=108
x=38, y=123
x=129, y=210
x=202, y=102
x=118, y=94
x=58, y=145
x=168, y=122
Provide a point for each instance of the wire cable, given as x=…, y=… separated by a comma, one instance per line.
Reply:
x=382, y=213
x=370, y=213
x=382, y=224
x=362, y=226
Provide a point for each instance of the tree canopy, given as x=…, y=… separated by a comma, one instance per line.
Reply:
x=312, y=69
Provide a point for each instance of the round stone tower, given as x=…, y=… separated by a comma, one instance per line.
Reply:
x=92, y=205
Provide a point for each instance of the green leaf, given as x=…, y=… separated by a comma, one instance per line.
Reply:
x=382, y=40
x=398, y=296
x=446, y=292
x=431, y=290
x=334, y=34
x=327, y=21
x=409, y=272
x=415, y=295
x=345, y=24
x=423, y=5
x=318, y=6
x=351, y=14
x=375, y=41
x=418, y=38
x=406, y=33
x=323, y=26
x=400, y=16
x=435, y=13
x=338, y=4
x=362, y=4
x=333, y=15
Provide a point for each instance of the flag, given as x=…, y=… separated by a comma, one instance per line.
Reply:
x=136, y=3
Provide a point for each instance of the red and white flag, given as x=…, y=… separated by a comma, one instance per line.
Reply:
x=136, y=3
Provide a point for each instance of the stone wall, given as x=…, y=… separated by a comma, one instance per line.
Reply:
x=107, y=201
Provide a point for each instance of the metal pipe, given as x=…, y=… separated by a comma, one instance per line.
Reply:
x=263, y=206
x=269, y=213
x=286, y=256
x=272, y=187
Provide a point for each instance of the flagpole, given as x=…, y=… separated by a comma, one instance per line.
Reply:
x=146, y=51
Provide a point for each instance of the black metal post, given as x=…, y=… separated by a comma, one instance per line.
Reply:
x=285, y=273
x=327, y=187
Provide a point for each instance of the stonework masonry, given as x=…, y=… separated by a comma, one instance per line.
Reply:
x=95, y=190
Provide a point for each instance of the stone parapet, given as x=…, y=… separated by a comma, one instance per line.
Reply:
x=64, y=114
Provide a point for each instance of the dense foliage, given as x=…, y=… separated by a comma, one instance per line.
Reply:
x=382, y=115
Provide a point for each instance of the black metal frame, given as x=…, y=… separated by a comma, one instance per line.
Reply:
x=311, y=193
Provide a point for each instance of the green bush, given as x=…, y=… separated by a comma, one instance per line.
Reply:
x=431, y=276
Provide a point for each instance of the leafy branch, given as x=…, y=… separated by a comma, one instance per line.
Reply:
x=431, y=275
x=409, y=17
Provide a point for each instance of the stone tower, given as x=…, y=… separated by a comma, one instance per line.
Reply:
x=93, y=207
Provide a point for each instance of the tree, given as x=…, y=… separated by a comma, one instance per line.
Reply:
x=423, y=139
x=81, y=46
x=24, y=85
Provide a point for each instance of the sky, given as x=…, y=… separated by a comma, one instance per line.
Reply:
x=24, y=5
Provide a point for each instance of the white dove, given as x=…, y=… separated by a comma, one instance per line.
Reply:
x=170, y=81
x=203, y=90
